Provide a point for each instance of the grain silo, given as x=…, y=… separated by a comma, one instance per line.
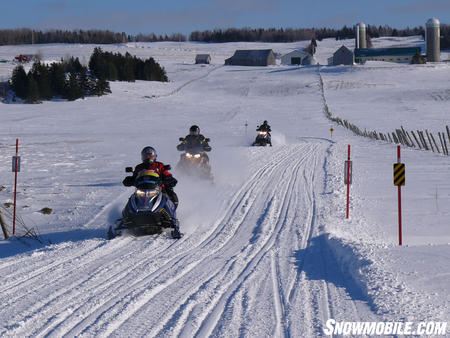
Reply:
x=360, y=36
x=433, y=40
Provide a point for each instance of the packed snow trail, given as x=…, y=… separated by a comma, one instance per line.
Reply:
x=263, y=269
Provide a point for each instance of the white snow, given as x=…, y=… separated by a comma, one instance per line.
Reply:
x=267, y=250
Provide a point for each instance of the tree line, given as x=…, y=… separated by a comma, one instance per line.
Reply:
x=117, y=67
x=299, y=34
x=302, y=34
x=67, y=79
x=445, y=34
x=70, y=80
x=29, y=36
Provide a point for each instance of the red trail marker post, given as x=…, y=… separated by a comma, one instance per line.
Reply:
x=348, y=179
x=15, y=169
x=399, y=181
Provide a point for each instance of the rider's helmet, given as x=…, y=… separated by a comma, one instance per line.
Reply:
x=194, y=130
x=148, y=155
x=265, y=122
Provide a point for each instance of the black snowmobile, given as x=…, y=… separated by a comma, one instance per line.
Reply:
x=148, y=211
x=262, y=139
x=194, y=162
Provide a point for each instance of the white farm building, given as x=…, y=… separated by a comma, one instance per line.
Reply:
x=296, y=57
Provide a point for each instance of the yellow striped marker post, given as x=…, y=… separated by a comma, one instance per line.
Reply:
x=399, y=181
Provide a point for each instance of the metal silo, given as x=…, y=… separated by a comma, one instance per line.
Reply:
x=433, y=40
x=360, y=36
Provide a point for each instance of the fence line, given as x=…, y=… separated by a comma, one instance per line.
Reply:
x=399, y=136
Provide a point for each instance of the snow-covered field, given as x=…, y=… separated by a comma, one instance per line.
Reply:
x=267, y=250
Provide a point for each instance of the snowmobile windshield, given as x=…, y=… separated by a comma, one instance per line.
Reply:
x=148, y=185
x=194, y=150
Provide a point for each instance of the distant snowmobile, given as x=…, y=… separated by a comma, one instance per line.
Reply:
x=262, y=139
x=194, y=161
x=148, y=211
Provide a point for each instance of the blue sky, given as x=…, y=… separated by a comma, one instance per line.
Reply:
x=171, y=16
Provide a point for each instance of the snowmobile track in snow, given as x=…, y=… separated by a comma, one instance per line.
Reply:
x=215, y=285
x=262, y=268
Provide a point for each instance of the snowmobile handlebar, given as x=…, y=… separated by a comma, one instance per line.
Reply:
x=130, y=169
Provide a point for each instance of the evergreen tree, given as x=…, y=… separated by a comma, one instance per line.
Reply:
x=19, y=81
x=32, y=95
x=58, y=79
x=41, y=74
x=85, y=84
x=113, y=74
x=73, y=88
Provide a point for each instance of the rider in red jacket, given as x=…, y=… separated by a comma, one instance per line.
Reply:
x=148, y=155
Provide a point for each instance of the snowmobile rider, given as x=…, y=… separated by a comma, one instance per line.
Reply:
x=265, y=127
x=148, y=156
x=195, y=140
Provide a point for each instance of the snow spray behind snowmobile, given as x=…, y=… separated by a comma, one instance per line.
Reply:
x=148, y=211
x=195, y=162
x=262, y=139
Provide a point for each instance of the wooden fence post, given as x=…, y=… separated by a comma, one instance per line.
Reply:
x=435, y=144
x=442, y=143
x=424, y=142
x=410, y=139
x=429, y=140
x=445, y=143
x=412, y=132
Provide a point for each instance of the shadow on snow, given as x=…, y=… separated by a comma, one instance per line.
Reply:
x=318, y=262
x=20, y=245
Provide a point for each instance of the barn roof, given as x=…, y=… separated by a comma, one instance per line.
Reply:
x=252, y=53
x=387, y=51
x=343, y=49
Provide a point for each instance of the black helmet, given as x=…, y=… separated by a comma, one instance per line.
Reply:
x=194, y=130
x=265, y=122
x=148, y=155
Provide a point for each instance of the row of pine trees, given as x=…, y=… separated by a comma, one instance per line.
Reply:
x=94, y=36
x=118, y=67
x=301, y=34
x=66, y=79
x=70, y=80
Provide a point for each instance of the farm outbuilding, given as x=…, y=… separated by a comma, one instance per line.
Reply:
x=343, y=56
x=252, y=57
x=294, y=58
x=394, y=54
x=203, y=58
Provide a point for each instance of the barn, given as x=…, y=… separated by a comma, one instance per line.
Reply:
x=395, y=54
x=203, y=58
x=294, y=58
x=343, y=56
x=252, y=57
